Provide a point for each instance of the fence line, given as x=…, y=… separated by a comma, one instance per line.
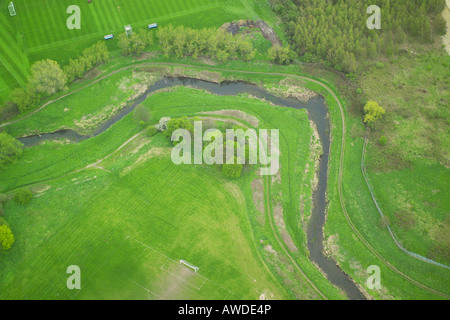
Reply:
x=412, y=254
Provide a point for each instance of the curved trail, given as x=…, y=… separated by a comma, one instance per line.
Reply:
x=341, y=159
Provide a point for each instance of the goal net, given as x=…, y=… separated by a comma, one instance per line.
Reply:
x=11, y=9
x=187, y=264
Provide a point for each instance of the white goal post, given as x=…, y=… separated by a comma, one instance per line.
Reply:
x=190, y=265
x=12, y=10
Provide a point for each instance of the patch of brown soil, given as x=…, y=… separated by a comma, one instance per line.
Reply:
x=257, y=186
x=279, y=221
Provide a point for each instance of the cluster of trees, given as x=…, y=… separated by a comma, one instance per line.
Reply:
x=216, y=44
x=231, y=170
x=47, y=77
x=135, y=43
x=90, y=58
x=336, y=31
x=281, y=55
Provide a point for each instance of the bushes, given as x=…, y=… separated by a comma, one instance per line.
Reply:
x=216, y=44
x=8, y=111
x=90, y=58
x=281, y=55
x=382, y=141
x=151, y=131
x=162, y=125
x=6, y=237
x=10, y=149
x=136, y=43
x=179, y=123
x=23, y=196
x=24, y=99
x=372, y=112
x=141, y=115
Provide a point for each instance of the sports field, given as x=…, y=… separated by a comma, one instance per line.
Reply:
x=39, y=28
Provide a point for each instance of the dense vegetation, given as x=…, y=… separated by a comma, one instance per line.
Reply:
x=336, y=30
x=218, y=44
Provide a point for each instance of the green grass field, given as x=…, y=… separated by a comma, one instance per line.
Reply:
x=128, y=222
x=52, y=160
x=129, y=248
x=39, y=31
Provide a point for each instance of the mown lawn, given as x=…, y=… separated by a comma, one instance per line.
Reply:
x=39, y=29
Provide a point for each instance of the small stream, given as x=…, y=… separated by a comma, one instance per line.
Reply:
x=318, y=114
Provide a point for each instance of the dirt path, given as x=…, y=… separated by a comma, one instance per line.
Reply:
x=341, y=157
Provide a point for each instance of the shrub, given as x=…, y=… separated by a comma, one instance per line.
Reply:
x=372, y=112
x=281, y=55
x=151, y=131
x=8, y=111
x=141, y=115
x=2, y=211
x=23, y=196
x=3, y=198
x=382, y=141
x=180, y=123
x=6, y=237
x=10, y=149
x=162, y=125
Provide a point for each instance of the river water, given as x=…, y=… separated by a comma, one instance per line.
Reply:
x=317, y=111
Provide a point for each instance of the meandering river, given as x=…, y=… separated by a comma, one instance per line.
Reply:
x=318, y=114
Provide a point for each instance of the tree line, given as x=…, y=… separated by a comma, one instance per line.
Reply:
x=212, y=43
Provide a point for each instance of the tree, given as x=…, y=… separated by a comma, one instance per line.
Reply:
x=23, y=196
x=372, y=112
x=179, y=123
x=281, y=55
x=124, y=44
x=23, y=99
x=141, y=115
x=47, y=77
x=6, y=237
x=75, y=69
x=136, y=43
x=10, y=149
